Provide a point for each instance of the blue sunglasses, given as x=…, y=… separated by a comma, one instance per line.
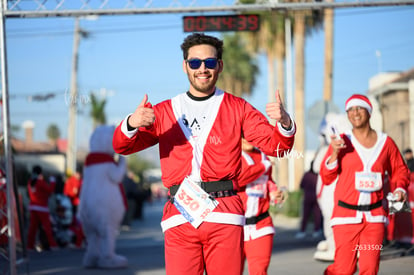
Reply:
x=195, y=63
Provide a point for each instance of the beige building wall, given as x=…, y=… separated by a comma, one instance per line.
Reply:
x=395, y=110
x=392, y=95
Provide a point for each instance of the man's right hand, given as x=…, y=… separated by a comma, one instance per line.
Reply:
x=143, y=116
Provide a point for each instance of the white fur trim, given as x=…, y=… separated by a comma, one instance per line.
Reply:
x=251, y=233
x=400, y=189
x=248, y=159
x=173, y=221
x=358, y=219
x=358, y=102
x=226, y=218
x=287, y=133
x=124, y=128
x=179, y=107
x=214, y=217
x=332, y=165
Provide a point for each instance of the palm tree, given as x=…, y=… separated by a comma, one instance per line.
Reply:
x=328, y=25
x=271, y=41
x=53, y=133
x=97, y=111
x=240, y=71
x=305, y=22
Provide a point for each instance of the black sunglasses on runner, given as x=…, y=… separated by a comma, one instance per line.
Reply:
x=195, y=63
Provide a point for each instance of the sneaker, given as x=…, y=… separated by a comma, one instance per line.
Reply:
x=322, y=245
x=300, y=235
x=324, y=256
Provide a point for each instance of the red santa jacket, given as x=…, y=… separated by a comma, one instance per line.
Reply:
x=72, y=189
x=218, y=156
x=385, y=159
x=39, y=194
x=255, y=181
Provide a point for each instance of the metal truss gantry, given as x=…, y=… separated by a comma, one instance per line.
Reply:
x=77, y=8
x=58, y=8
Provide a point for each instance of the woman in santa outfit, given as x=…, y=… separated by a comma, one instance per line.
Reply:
x=257, y=191
x=361, y=159
x=199, y=137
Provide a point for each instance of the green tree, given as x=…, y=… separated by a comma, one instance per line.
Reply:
x=97, y=110
x=240, y=67
x=270, y=40
x=53, y=133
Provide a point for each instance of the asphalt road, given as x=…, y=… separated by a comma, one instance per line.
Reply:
x=143, y=246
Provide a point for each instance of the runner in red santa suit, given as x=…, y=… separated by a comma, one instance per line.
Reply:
x=257, y=190
x=199, y=135
x=39, y=191
x=361, y=158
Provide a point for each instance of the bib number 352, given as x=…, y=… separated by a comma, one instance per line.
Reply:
x=368, y=181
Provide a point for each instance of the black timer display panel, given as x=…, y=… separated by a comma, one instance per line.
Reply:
x=221, y=23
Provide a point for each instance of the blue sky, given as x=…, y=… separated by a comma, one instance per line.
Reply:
x=129, y=56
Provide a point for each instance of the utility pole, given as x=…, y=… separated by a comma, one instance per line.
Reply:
x=289, y=94
x=328, y=25
x=73, y=102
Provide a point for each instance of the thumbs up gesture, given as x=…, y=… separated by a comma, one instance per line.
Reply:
x=276, y=111
x=143, y=116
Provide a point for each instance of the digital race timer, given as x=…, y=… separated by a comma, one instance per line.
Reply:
x=221, y=23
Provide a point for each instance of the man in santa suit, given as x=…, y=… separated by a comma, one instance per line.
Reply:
x=257, y=191
x=39, y=191
x=199, y=136
x=361, y=159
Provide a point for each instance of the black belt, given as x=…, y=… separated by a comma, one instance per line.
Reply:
x=365, y=207
x=254, y=220
x=216, y=189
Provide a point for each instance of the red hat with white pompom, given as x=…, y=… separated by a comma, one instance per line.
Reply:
x=358, y=100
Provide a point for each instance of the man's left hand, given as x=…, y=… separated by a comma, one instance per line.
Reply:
x=276, y=111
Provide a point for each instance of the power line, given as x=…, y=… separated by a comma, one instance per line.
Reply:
x=351, y=12
x=97, y=31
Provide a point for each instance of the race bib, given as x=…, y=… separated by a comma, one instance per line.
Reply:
x=193, y=202
x=258, y=188
x=368, y=181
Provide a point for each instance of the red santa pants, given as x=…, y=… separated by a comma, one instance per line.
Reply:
x=217, y=248
x=365, y=238
x=39, y=218
x=258, y=253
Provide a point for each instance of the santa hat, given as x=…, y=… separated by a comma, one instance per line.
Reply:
x=358, y=100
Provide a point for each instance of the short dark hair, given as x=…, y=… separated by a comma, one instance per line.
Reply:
x=37, y=170
x=200, y=39
x=408, y=150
